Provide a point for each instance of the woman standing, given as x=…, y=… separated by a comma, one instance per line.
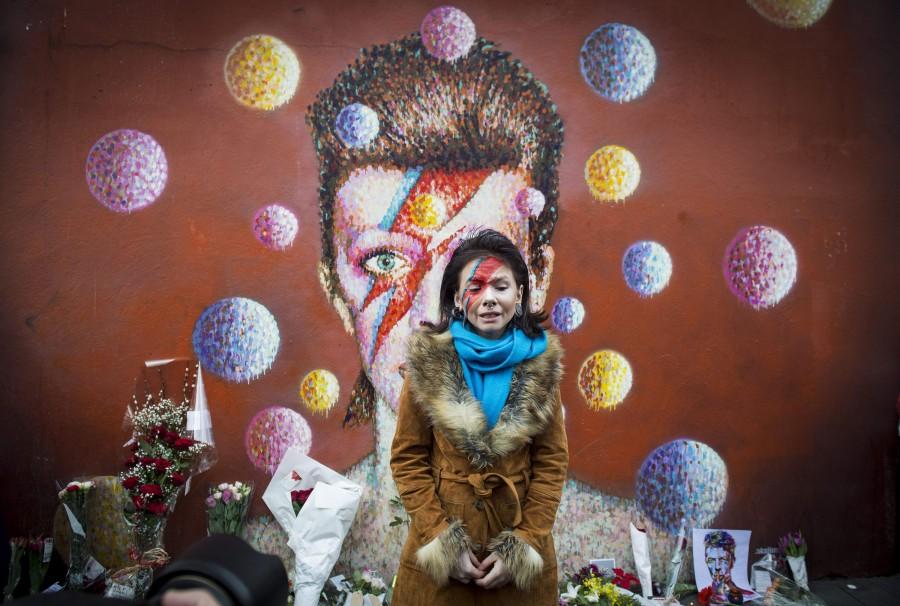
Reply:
x=479, y=456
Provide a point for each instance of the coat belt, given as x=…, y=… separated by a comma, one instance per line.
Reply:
x=483, y=484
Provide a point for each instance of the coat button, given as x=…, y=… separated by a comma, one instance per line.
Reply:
x=479, y=504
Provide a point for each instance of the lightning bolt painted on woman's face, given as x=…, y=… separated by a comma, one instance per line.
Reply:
x=481, y=276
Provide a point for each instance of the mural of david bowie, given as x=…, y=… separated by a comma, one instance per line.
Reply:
x=470, y=143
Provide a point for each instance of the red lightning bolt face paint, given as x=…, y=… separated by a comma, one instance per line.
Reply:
x=489, y=296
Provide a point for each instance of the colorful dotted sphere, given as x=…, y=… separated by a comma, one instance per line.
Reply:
x=618, y=62
x=447, y=33
x=567, y=314
x=792, y=14
x=271, y=432
x=236, y=338
x=682, y=479
x=647, y=268
x=357, y=125
x=530, y=202
x=262, y=72
x=605, y=379
x=275, y=226
x=760, y=266
x=612, y=173
x=126, y=170
x=319, y=391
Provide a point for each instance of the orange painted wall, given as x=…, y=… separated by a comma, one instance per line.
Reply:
x=746, y=123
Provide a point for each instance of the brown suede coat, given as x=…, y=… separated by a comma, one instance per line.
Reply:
x=463, y=485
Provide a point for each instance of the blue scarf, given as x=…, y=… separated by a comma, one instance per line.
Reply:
x=488, y=364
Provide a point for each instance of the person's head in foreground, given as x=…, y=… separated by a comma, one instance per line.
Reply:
x=415, y=152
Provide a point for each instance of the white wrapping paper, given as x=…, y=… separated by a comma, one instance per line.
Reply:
x=317, y=532
x=640, y=546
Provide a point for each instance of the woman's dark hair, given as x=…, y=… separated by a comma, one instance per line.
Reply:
x=487, y=243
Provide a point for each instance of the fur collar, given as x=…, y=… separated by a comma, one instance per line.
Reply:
x=438, y=385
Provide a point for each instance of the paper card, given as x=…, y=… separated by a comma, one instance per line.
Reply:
x=198, y=420
x=53, y=588
x=124, y=592
x=604, y=563
x=721, y=560
x=93, y=569
x=48, y=550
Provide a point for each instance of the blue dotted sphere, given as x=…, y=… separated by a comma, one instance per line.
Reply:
x=357, y=125
x=682, y=479
x=618, y=62
x=567, y=314
x=236, y=338
x=647, y=268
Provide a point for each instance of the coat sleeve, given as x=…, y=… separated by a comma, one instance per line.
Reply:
x=442, y=539
x=549, y=464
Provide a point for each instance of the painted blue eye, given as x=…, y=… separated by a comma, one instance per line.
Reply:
x=386, y=263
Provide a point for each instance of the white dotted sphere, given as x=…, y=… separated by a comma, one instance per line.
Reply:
x=760, y=266
x=618, y=62
x=126, y=170
x=447, y=33
x=647, y=268
x=567, y=314
x=357, y=125
x=275, y=226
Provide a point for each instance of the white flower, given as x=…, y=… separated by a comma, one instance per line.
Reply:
x=236, y=496
x=238, y=484
x=217, y=495
x=223, y=486
x=571, y=593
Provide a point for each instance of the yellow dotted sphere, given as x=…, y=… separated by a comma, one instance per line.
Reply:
x=612, y=173
x=605, y=379
x=791, y=14
x=262, y=72
x=427, y=211
x=319, y=391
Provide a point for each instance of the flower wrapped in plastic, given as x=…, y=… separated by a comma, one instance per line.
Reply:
x=165, y=450
x=74, y=501
x=316, y=531
x=593, y=586
x=227, y=506
x=785, y=592
x=362, y=588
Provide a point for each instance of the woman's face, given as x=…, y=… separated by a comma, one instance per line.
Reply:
x=394, y=233
x=488, y=294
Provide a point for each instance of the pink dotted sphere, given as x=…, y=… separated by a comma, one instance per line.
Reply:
x=271, y=432
x=447, y=33
x=275, y=226
x=126, y=170
x=760, y=266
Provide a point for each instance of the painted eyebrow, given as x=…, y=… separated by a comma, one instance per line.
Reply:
x=375, y=239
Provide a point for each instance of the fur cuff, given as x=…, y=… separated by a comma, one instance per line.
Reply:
x=524, y=563
x=439, y=557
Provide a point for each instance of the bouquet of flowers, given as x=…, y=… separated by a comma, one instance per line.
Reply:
x=365, y=588
x=227, y=506
x=591, y=586
x=793, y=544
x=74, y=499
x=37, y=551
x=299, y=498
x=161, y=461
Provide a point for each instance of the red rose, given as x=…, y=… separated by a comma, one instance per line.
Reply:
x=300, y=496
x=171, y=437
x=71, y=487
x=131, y=461
x=162, y=464
x=177, y=478
x=151, y=489
x=130, y=482
x=135, y=446
x=183, y=443
x=147, y=460
x=156, y=507
x=704, y=596
x=138, y=501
